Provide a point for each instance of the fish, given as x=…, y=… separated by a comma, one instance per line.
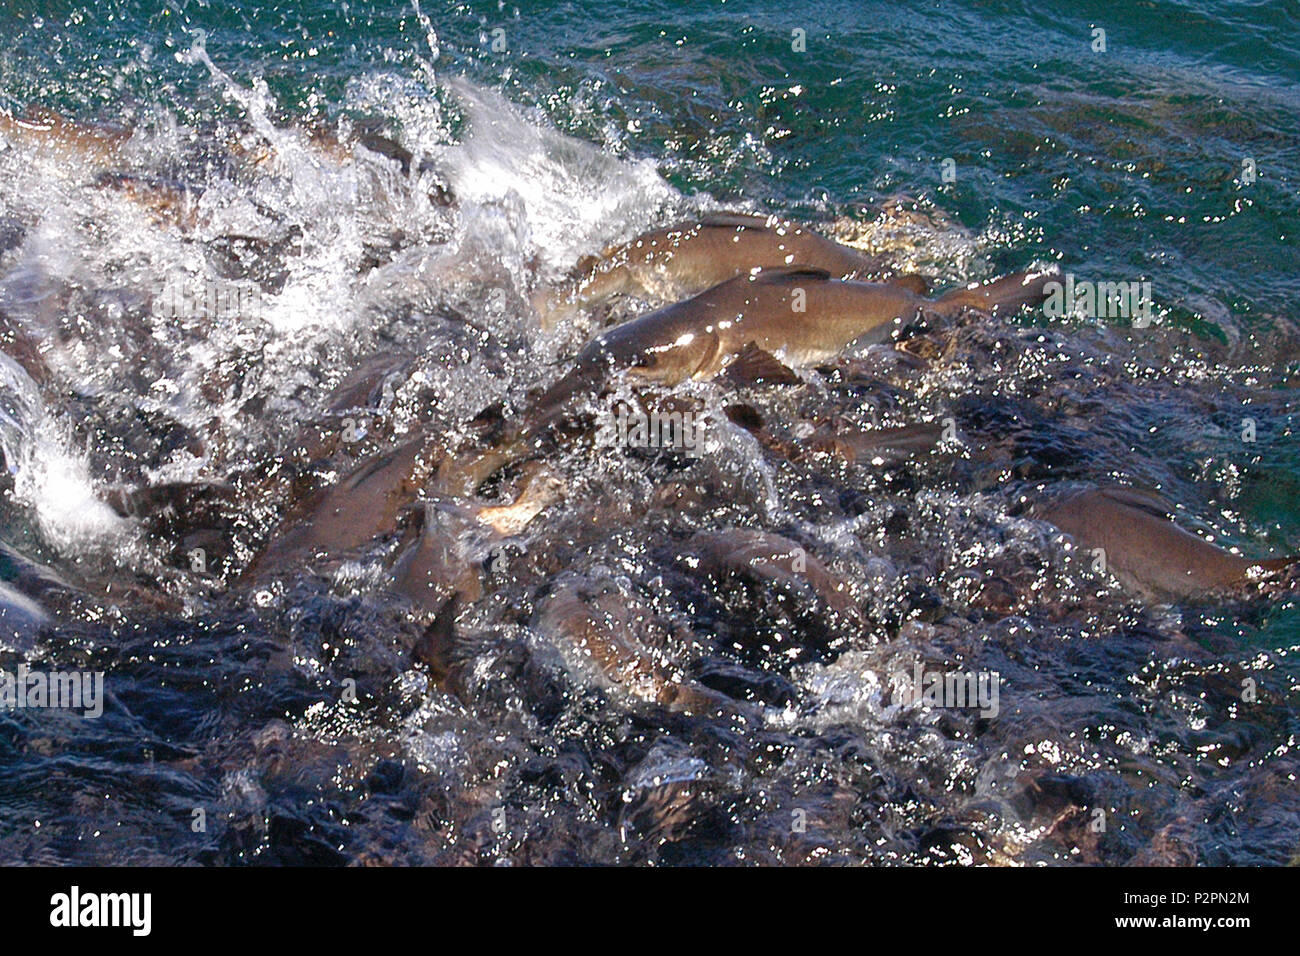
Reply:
x=375, y=492
x=444, y=559
x=66, y=139
x=851, y=443
x=1146, y=551
x=879, y=446
x=351, y=512
x=597, y=628
x=798, y=317
x=539, y=488
x=453, y=538
x=105, y=151
x=689, y=257
x=755, y=327
x=169, y=202
x=355, y=408
x=368, y=135
x=773, y=560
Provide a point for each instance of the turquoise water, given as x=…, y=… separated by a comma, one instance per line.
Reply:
x=1171, y=156
x=1120, y=165
x=1124, y=163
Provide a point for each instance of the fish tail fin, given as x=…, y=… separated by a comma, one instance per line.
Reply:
x=1278, y=575
x=1005, y=296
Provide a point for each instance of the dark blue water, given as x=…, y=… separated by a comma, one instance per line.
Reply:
x=1171, y=156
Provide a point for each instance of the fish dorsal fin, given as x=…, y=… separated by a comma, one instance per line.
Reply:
x=787, y=275
x=435, y=646
x=733, y=220
x=753, y=364
x=1150, y=502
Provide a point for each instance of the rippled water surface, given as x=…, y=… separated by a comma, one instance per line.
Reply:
x=267, y=703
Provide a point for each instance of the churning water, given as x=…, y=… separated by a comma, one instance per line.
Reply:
x=182, y=333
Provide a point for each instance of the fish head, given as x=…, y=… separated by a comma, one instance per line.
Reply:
x=657, y=353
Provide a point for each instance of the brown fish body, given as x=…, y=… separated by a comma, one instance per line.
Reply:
x=880, y=445
x=801, y=316
x=445, y=559
x=596, y=629
x=351, y=512
x=689, y=257
x=776, y=561
x=65, y=138
x=80, y=145
x=104, y=146
x=168, y=202
x=454, y=538
x=796, y=316
x=1146, y=551
x=360, y=402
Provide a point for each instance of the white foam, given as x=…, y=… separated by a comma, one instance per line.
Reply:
x=48, y=478
x=576, y=197
x=529, y=200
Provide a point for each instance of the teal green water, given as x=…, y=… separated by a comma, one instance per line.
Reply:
x=1123, y=165
x=1173, y=155
x=1126, y=162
